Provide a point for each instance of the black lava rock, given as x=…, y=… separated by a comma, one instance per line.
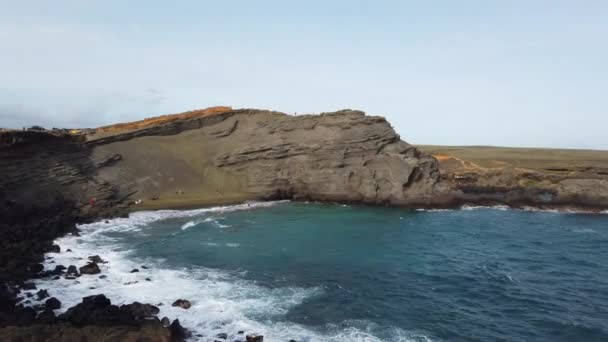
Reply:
x=90, y=268
x=96, y=259
x=42, y=294
x=52, y=304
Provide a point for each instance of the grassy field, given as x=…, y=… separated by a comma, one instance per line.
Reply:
x=529, y=158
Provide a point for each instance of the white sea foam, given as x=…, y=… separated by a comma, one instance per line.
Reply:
x=583, y=230
x=189, y=224
x=222, y=302
x=477, y=207
x=432, y=210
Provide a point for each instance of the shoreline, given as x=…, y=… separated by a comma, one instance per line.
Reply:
x=456, y=205
x=222, y=205
x=152, y=270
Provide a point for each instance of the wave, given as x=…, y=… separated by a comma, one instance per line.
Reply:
x=433, y=210
x=222, y=301
x=477, y=207
x=189, y=224
x=140, y=219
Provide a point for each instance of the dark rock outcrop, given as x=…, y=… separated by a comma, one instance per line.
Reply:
x=182, y=303
x=90, y=268
x=139, y=310
x=52, y=304
x=96, y=259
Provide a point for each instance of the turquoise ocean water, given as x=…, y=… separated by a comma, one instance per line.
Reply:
x=313, y=272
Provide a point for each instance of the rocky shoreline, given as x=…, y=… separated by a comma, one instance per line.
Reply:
x=54, y=180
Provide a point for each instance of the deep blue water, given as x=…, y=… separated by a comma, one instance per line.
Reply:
x=462, y=275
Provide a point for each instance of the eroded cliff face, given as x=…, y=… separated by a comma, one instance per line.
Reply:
x=240, y=155
x=46, y=184
x=539, y=178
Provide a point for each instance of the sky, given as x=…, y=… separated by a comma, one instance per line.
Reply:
x=530, y=73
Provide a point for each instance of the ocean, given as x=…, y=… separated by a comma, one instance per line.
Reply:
x=320, y=272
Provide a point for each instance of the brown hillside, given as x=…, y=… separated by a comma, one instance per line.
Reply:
x=135, y=125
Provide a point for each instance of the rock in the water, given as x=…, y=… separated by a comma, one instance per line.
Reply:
x=42, y=294
x=72, y=270
x=135, y=270
x=254, y=338
x=222, y=336
x=96, y=259
x=177, y=331
x=182, y=303
x=59, y=269
x=140, y=310
x=165, y=322
x=103, y=276
x=55, y=249
x=90, y=268
x=99, y=311
x=52, y=304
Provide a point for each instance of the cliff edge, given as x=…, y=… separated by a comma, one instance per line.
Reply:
x=236, y=155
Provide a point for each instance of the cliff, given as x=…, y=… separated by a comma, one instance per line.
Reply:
x=246, y=154
x=520, y=177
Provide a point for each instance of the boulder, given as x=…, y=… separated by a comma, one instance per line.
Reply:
x=165, y=322
x=72, y=270
x=42, y=294
x=222, y=336
x=177, y=331
x=140, y=310
x=59, y=269
x=182, y=303
x=97, y=310
x=90, y=268
x=135, y=270
x=96, y=259
x=55, y=249
x=52, y=304
x=254, y=338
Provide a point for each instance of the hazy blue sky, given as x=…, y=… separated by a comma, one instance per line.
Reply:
x=517, y=73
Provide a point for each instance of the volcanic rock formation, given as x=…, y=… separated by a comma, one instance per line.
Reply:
x=251, y=154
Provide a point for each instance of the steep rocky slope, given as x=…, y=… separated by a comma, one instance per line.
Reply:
x=240, y=155
x=546, y=178
x=47, y=185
